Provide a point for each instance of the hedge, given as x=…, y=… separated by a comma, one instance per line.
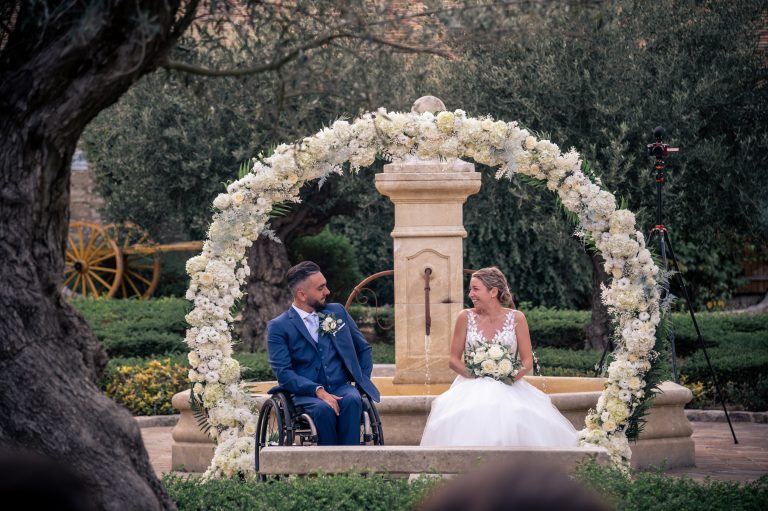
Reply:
x=644, y=491
x=737, y=345
x=350, y=492
x=137, y=328
x=149, y=327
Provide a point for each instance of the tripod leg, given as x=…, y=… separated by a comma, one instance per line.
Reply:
x=661, y=233
x=698, y=333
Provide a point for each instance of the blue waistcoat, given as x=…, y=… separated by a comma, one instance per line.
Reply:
x=332, y=372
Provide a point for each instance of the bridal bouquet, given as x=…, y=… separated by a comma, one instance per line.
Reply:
x=494, y=361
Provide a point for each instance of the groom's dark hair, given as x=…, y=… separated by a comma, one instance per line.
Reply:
x=299, y=273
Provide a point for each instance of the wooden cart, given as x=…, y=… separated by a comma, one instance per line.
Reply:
x=115, y=260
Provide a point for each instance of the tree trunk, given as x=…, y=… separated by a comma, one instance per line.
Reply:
x=57, y=74
x=268, y=295
x=599, y=330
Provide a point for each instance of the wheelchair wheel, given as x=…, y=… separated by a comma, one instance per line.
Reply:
x=371, y=432
x=273, y=426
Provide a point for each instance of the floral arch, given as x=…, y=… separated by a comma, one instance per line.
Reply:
x=219, y=273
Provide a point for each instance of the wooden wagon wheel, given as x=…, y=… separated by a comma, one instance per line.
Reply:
x=141, y=260
x=94, y=264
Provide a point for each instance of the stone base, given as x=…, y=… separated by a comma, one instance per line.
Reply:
x=191, y=457
x=666, y=438
x=669, y=452
x=413, y=459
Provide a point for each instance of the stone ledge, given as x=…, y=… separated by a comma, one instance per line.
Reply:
x=383, y=370
x=402, y=459
x=719, y=416
x=157, y=421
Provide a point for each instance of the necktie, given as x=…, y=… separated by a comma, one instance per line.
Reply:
x=314, y=324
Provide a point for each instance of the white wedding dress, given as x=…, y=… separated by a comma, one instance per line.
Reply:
x=486, y=412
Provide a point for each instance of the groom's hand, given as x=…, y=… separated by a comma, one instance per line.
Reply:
x=330, y=399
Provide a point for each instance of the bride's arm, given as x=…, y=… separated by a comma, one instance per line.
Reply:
x=456, y=360
x=523, y=344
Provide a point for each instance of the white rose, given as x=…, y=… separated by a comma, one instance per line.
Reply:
x=530, y=143
x=488, y=365
x=222, y=201
x=505, y=366
x=479, y=357
x=207, y=279
x=194, y=358
x=496, y=352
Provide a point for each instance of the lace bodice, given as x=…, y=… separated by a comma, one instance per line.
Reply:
x=505, y=335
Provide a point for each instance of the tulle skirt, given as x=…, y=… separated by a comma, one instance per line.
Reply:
x=485, y=412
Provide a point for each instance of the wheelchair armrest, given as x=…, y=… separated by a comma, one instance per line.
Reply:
x=280, y=394
x=276, y=389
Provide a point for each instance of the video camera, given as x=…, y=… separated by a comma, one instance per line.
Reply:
x=659, y=149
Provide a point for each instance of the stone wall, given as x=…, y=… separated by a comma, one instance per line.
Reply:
x=84, y=202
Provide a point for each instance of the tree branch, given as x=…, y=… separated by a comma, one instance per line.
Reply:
x=279, y=63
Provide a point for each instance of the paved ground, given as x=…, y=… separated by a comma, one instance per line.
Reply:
x=719, y=458
x=716, y=455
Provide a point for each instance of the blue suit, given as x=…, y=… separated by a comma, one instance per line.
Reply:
x=301, y=365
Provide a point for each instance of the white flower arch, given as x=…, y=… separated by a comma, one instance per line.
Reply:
x=220, y=272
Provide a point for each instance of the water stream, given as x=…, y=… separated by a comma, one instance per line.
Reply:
x=427, y=347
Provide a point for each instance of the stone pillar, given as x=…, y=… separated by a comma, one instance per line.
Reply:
x=428, y=234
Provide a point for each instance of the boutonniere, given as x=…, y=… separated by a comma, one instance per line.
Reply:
x=329, y=324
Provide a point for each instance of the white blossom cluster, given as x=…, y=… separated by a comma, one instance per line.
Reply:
x=219, y=273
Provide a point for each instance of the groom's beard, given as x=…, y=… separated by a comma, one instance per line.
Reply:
x=317, y=305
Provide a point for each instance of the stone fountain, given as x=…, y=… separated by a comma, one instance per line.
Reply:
x=428, y=271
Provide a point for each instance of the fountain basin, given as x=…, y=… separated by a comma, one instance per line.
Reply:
x=404, y=409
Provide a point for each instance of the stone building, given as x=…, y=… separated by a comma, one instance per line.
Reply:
x=84, y=203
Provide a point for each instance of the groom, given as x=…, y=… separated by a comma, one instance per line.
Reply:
x=316, y=351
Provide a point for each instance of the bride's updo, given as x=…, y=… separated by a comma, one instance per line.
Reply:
x=492, y=277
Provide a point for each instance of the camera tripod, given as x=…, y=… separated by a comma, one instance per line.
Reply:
x=660, y=150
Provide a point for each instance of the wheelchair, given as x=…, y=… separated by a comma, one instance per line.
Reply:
x=281, y=423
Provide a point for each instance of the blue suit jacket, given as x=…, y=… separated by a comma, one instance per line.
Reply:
x=296, y=361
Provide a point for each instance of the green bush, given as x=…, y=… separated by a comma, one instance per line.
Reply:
x=341, y=492
x=643, y=491
x=377, y=324
x=653, y=491
x=337, y=258
x=564, y=362
x=137, y=328
x=145, y=387
x=557, y=328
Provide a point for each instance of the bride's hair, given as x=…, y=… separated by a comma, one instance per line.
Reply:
x=492, y=277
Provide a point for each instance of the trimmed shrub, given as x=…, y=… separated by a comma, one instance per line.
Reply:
x=377, y=325
x=137, y=328
x=643, y=491
x=337, y=258
x=653, y=491
x=145, y=388
x=338, y=493
x=557, y=328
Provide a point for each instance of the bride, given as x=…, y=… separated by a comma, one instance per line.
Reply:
x=483, y=411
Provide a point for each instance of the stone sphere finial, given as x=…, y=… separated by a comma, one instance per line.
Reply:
x=427, y=104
